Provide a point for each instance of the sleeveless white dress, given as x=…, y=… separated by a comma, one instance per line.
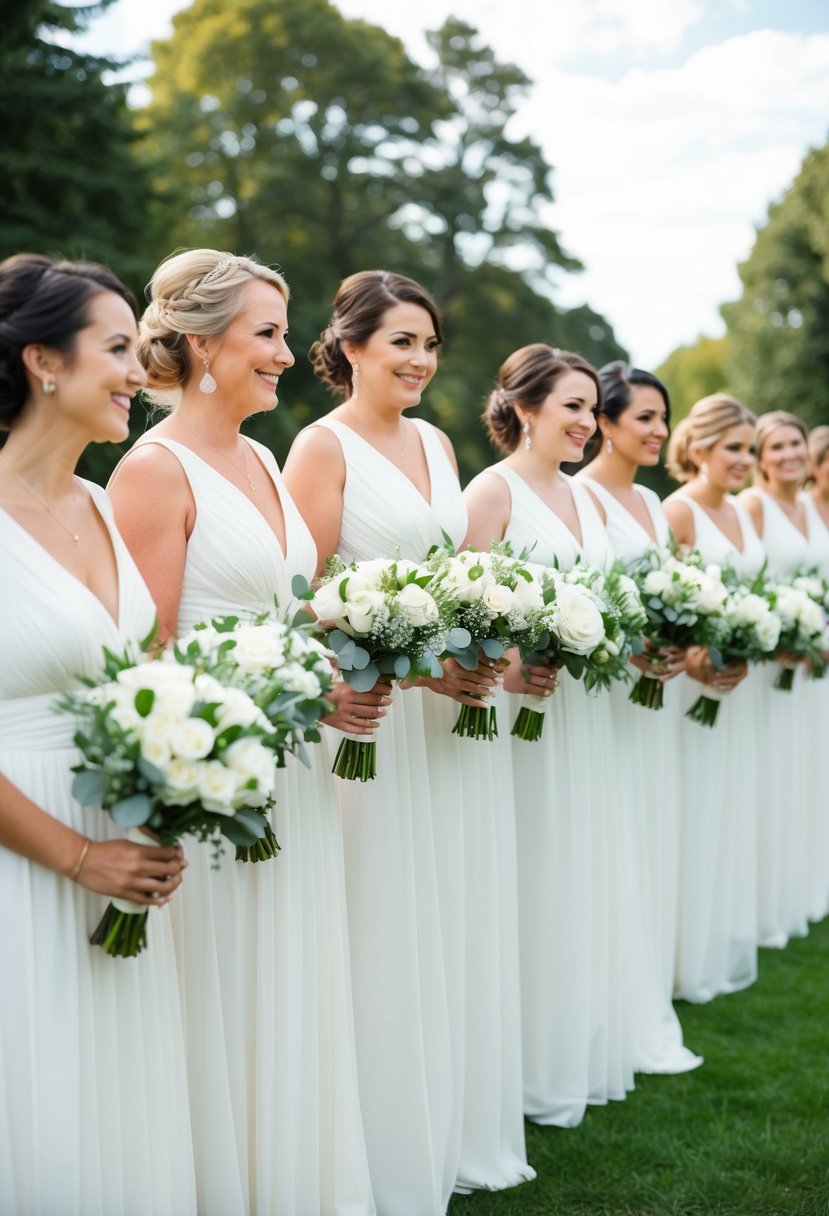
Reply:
x=717, y=927
x=262, y=948
x=410, y=1073
x=785, y=816
x=93, y=1093
x=649, y=741
x=816, y=695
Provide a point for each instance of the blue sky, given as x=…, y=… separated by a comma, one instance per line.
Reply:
x=671, y=126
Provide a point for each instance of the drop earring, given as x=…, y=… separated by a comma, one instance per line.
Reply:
x=609, y=445
x=355, y=379
x=207, y=384
x=703, y=471
x=525, y=431
x=49, y=387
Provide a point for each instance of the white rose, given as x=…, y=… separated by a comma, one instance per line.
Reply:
x=295, y=678
x=236, y=709
x=787, y=604
x=192, y=739
x=710, y=594
x=157, y=752
x=404, y=568
x=529, y=594
x=811, y=616
x=500, y=600
x=207, y=639
x=362, y=608
x=216, y=786
x=810, y=586
x=418, y=605
x=181, y=782
x=578, y=622
x=155, y=674
x=749, y=609
x=767, y=631
x=252, y=762
x=656, y=582
x=259, y=647
x=208, y=689
x=127, y=718
x=327, y=602
x=157, y=727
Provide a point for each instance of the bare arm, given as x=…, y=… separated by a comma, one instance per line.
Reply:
x=681, y=520
x=755, y=509
x=155, y=512
x=117, y=868
x=315, y=476
x=489, y=505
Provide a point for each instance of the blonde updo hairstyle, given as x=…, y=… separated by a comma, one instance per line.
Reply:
x=526, y=379
x=708, y=420
x=818, y=446
x=198, y=291
x=766, y=424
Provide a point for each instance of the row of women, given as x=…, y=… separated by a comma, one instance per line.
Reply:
x=490, y=928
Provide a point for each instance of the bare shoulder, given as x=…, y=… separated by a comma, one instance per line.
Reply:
x=680, y=517
x=150, y=465
x=315, y=445
x=751, y=503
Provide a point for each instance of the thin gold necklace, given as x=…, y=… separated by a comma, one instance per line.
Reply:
x=224, y=456
x=76, y=536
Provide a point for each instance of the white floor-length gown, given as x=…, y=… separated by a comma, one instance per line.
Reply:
x=93, y=1092
x=717, y=924
x=262, y=948
x=786, y=819
x=816, y=694
x=397, y=867
x=649, y=741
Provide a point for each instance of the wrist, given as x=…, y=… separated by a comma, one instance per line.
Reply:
x=75, y=873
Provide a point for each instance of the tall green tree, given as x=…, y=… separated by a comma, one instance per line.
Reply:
x=695, y=371
x=71, y=182
x=778, y=352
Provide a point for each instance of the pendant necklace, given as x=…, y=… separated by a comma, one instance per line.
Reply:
x=75, y=534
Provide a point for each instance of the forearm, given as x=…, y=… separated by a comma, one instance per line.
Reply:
x=27, y=829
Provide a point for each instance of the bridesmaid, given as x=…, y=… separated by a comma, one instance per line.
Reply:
x=794, y=539
x=819, y=471
x=262, y=949
x=633, y=425
x=711, y=452
x=818, y=692
x=93, y=1106
x=373, y=483
x=579, y=910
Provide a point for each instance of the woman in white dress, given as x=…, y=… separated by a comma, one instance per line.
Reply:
x=439, y=1111
x=588, y=988
x=794, y=539
x=93, y=1097
x=817, y=692
x=262, y=949
x=711, y=452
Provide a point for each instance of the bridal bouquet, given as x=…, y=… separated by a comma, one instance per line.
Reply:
x=685, y=606
x=173, y=751
x=382, y=621
x=496, y=602
x=284, y=671
x=753, y=633
x=802, y=628
x=593, y=622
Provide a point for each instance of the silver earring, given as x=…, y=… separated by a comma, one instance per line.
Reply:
x=49, y=387
x=609, y=445
x=207, y=384
x=703, y=471
x=355, y=379
x=525, y=431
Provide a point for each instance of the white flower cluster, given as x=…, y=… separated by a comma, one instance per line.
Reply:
x=697, y=589
x=803, y=620
x=501, y=587
x=754, y=626
x=364, y=598
x=574, y=616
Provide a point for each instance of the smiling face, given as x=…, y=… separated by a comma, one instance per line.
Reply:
x=730, y=460
x=640, y=431
x=784, y=457
x=566, y=419
x=398, y=360
x=247, y=360
x=96, y=381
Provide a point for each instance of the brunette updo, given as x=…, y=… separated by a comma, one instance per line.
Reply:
x=360, y=304
x=708, y=420
x=198, y=291
x=46, y=303
x=527, y=378
x=766, y=424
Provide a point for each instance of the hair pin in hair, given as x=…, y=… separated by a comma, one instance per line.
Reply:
x=556, y=352
x=218, y=270
x=502, y=398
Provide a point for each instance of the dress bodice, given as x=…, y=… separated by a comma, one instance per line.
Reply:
x=628, y=539
x=534, y=526
x=234, y=561
x=384, y=514
x=53, y=630
x=715, y=546
x=787, y=549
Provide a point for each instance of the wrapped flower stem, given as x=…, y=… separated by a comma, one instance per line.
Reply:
x=476, y=722
x=705, y=709
x=648, y=692
x=785, y=679
x=356, y=759
x=529, y=723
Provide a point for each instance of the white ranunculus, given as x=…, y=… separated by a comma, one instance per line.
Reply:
x=656, y=582
x=500, y=600
x=181, y=782
x=578, y=622
x=259, y=647
x=157, y=752
x=327, y=602
x=767, y=631
x=418, y=605
x=361, y=609
x=217, y=787
x=192, y=739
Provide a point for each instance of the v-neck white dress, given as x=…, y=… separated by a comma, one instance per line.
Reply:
x=816, y=694
x=409, y=1067
x=717, y=925
x=262, y=948
x=93, y=1093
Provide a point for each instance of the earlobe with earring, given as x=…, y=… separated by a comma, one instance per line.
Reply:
x=703, y=471
x=355, y=379
x=49, y=387
x=525, y=431
x=609, y=445
x=207, y=384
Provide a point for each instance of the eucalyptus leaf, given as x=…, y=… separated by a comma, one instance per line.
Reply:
x=88, y=787
x=364, y=679
x=133, y=812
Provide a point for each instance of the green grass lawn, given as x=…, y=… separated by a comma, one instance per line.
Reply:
x=746, y=1134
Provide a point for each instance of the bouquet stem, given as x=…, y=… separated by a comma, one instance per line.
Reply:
x=704, y=711
x=647, y=692
x=528, y=725
x=476, y=722
x=785, y=680
x=356, y=760
x=263, y=850
x=121, y=934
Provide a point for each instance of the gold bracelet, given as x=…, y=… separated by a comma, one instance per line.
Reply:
x=76, y=873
